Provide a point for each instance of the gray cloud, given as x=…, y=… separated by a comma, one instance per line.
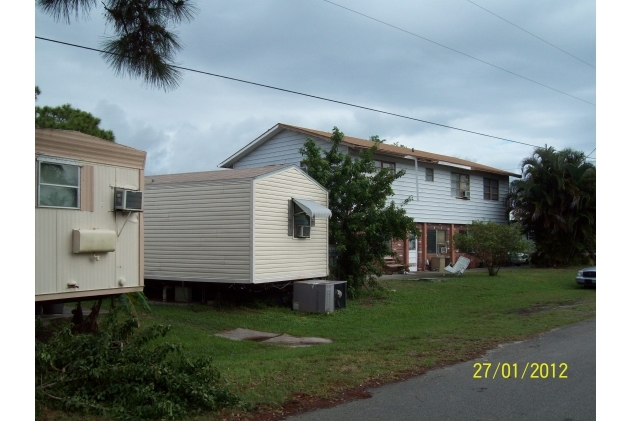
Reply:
x=317, y=48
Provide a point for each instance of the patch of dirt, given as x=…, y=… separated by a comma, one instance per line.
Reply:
x=537, y=308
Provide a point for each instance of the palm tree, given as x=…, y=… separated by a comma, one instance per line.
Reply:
x=556, y=203
x=143, y=46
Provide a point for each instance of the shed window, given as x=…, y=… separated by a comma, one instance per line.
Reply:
x=58, y=185
x=302, y=216
x=429, y=174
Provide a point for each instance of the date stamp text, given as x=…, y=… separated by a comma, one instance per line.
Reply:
x=529, y=370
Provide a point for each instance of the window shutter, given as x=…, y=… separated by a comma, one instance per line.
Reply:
x=87, y=188
x=290, y=218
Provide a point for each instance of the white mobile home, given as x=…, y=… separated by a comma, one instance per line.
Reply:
x=247, y=226
x=84, y=247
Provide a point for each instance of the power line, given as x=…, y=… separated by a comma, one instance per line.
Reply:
x=530, y=33
x=302, y=94
x=591, y=153
x=456, y=51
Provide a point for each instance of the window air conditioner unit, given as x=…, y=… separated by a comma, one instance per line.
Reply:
x=128, y=200
x=466, y=194
x=443, y=250
x=303, y=231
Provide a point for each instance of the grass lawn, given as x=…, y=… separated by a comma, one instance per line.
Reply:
x=414, y=326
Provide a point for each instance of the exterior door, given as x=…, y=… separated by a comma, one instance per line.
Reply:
x=413, y=254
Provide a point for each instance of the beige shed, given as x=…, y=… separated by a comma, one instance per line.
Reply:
x=88, y=216
x=246, y=226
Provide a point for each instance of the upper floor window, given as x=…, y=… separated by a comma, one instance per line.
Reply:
x=304, y=166
x=384, y=164
x=460, y=185
x=491, y=189
x=429, y=174
x=58, y=185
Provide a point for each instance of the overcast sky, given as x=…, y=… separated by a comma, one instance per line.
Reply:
x=318, y=48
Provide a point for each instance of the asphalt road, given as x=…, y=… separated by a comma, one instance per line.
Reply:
x=452, y=393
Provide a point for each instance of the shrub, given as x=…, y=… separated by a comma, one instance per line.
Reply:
x=120, y=372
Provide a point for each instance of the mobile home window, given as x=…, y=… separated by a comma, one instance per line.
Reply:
x=460, y=185
x=491, y=189
x=58, y=185
x=429, y=174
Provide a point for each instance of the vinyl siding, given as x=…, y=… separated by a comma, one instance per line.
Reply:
x=435, y=203
x=278, y=256
x=281, y=149
x=198, y=231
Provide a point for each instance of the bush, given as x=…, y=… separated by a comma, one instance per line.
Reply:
x=117, y=373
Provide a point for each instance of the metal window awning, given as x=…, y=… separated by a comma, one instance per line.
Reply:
x=313, y=209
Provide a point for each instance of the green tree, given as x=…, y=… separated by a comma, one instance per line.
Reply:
x=363, y=221
x=492, y=243
x=65, y=117
x=555, y=201
x=144, y=44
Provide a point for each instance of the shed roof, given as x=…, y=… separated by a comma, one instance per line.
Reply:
x=356, y=143
x=217, y=175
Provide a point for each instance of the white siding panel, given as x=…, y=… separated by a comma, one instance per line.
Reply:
x=83, y=269
x=281, y=149
x=198, y=230
x=128, y=243
x=46, y=251
x=277, y=255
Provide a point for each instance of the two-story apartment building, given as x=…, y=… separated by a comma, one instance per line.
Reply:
x=448, y=193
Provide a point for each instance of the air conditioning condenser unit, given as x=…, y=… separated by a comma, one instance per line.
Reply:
x=316, y=296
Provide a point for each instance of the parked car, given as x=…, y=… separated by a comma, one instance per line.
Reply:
x=519, y=258
x=586, y=276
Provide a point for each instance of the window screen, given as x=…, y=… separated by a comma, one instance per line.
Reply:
x=58, y=185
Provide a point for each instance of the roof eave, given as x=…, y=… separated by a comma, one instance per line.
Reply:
x=250, y=146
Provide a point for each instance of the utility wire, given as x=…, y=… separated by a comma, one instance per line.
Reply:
x=590, y=153
x=456, y=51
x=303, y=94
x=530, y=33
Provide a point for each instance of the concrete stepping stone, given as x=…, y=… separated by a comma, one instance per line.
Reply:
x=272, y=338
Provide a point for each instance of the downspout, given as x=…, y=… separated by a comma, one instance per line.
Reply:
x=406, y=251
